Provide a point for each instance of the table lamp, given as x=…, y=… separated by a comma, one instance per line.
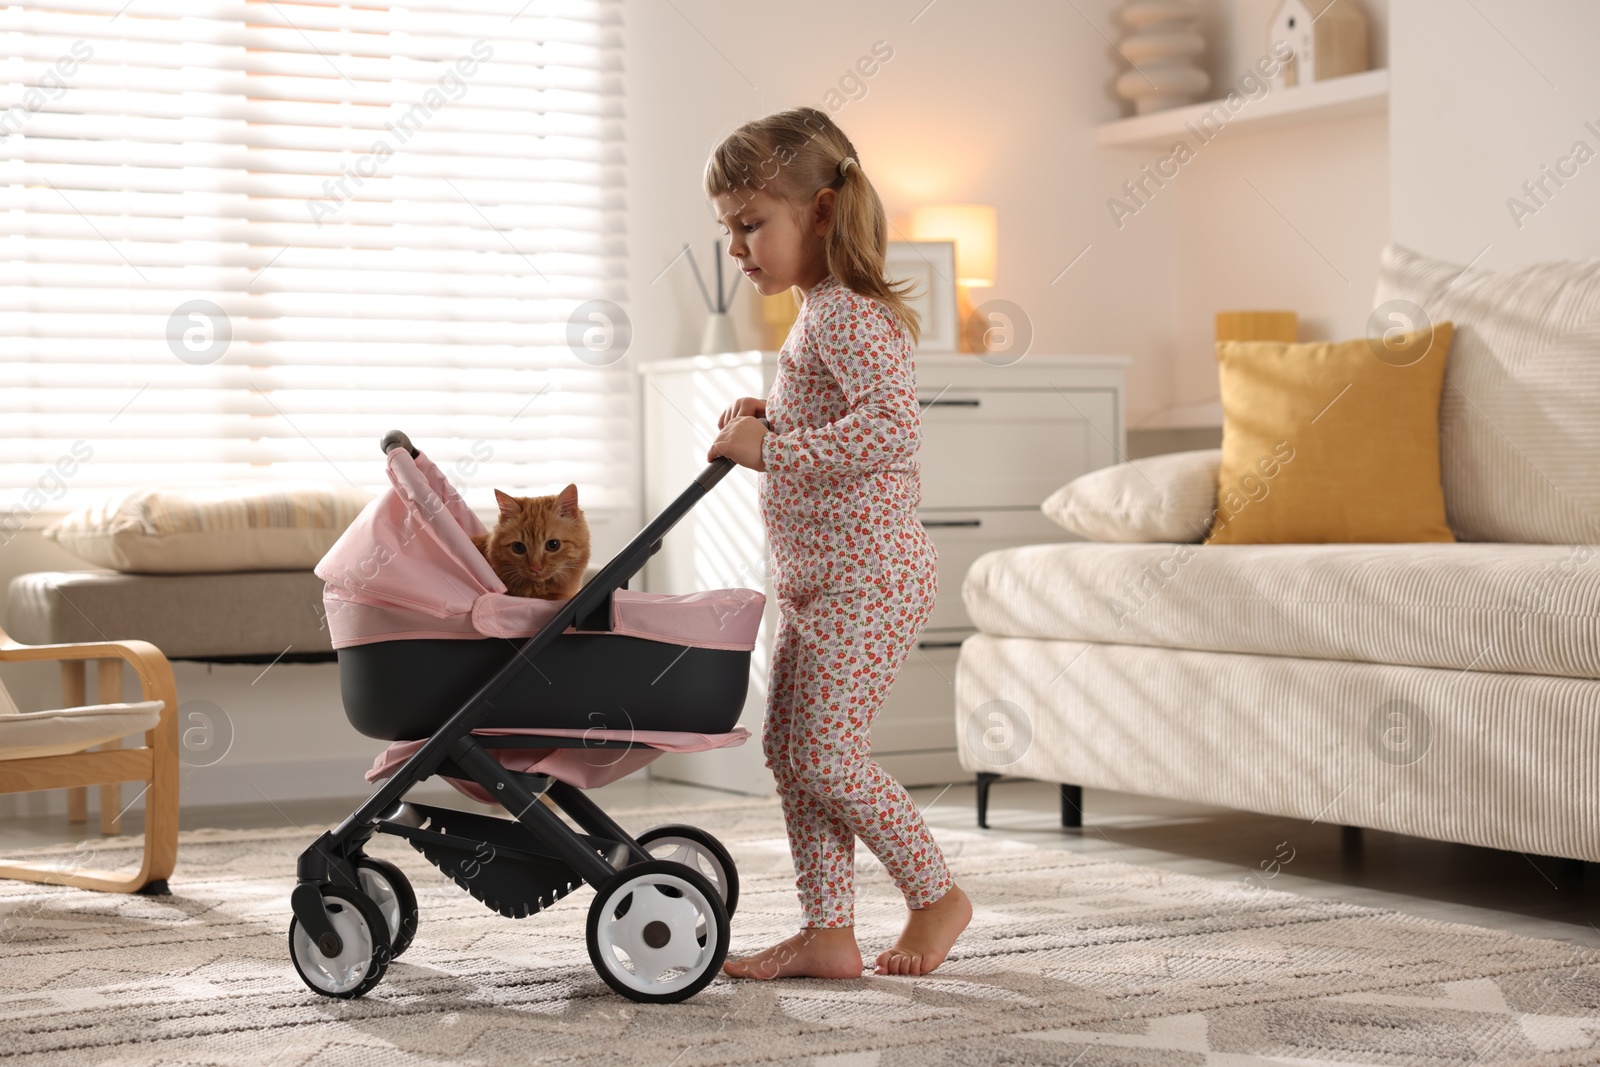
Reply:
x=972, y=227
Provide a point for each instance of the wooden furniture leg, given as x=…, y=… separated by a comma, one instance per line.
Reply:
x=72, y=696
x=108, y=680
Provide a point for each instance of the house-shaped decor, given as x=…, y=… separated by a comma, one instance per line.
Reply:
x=1328, y=39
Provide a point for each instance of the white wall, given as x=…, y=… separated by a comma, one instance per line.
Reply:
x=1487, y=95
x=1289, y=218
x=999, y=105
x=994, y=104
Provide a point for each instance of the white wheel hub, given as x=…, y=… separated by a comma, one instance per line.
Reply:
x=348, y=969
x=695, y=856
x=381, y=893
x=658, y=935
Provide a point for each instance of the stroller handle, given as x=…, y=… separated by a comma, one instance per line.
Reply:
x=397, y=439
x=715, y=471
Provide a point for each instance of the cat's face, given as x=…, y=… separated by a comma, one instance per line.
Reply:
x=540, y=545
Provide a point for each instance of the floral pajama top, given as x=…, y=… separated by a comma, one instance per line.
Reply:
x=854, y=573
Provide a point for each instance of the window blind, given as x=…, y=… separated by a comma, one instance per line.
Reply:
x=245, y=239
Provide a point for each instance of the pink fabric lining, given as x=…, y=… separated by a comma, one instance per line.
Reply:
x=585, y=768
x=407, y=568
x=716, y=618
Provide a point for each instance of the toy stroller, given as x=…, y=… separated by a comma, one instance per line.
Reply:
x=602, y=684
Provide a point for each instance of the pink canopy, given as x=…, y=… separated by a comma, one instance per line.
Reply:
x=407, y=568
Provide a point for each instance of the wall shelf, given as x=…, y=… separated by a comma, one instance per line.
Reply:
x=1354, y=94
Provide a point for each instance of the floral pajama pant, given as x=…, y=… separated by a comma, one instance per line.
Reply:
x=836, y=655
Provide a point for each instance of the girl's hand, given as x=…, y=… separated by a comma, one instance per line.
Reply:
x=740, y=440
x=745, y=405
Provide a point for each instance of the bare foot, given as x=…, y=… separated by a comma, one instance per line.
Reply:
x=815, y=952
x=929, y=934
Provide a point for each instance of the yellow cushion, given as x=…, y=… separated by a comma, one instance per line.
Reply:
x=190, y=529
x=1331, y=442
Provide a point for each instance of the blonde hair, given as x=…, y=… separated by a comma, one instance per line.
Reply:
x=793, y=155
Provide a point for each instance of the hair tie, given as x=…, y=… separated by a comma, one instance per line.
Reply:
x=846, y=163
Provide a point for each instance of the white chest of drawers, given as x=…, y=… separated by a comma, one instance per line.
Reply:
x=996, y=441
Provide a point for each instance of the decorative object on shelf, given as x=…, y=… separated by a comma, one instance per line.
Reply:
x=1162, y=48
x=932, y=264
x=1328, y=38
x=972, y=227
x=719, y=335
x=1258, y=326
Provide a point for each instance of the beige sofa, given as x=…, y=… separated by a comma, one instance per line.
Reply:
x=1449, y=691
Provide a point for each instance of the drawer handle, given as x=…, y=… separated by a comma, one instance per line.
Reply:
x=931, y=523
x=938, y=644
x=958, y=402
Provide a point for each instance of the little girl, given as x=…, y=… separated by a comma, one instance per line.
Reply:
x=851, y=566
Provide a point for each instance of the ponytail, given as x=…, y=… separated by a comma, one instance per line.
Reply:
x=801, y=152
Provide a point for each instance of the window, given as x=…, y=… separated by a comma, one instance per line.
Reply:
x=246, y=239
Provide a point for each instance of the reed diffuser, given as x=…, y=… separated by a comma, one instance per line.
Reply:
x=719, y=335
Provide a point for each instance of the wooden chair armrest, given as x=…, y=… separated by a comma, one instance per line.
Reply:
x=155, y=673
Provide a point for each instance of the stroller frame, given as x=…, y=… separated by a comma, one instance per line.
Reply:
x=335, y=878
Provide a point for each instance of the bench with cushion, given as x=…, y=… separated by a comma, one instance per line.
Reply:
x=237, y=617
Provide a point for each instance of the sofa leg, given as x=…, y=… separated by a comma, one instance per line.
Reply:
x=1072, y=807
x=985, y=780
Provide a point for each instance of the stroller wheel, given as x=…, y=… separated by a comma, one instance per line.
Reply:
x=694, y=848
x=657, y=932
x=365, y=955
x=386, y=886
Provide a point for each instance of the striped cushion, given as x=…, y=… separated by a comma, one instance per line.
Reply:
x=193, y=529
x=1531, y=609
x=1519, y=420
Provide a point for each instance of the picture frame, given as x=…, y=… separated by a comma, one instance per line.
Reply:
x=932, y=265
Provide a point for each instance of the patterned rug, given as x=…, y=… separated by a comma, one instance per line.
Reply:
x=1069, y=960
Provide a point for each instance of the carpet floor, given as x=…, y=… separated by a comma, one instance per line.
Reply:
x=1069, y=960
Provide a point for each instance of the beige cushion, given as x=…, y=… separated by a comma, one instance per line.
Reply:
x=270, y=526
x=1519, y=418
x=32, y=734
x=1158, y=498
x=1532, y=609
x=187, y=616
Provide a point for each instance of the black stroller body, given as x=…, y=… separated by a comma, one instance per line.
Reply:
x=523, y=704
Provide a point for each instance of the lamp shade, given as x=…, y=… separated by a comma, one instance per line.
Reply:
x=971, y=227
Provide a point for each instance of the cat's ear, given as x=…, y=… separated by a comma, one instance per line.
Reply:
x=567, y=501
x=508, y=505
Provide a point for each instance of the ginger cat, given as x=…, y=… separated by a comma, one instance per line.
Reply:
x=540, y=546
